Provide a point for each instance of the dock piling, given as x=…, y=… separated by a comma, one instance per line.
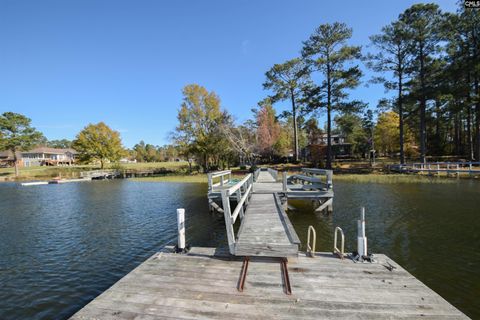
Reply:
x=362, y=239
x=181, y=229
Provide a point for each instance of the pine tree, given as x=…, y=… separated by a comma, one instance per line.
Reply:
x=328, y=55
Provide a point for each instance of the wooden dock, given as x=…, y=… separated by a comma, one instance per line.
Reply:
x=203, y=285
x=262, y=274
x=449, y=169
x=266, y=229
x=312, y=185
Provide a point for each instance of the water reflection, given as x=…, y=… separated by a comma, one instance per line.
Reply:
x=62, y=245
x=430, y=229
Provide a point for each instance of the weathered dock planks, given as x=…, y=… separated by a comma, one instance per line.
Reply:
x=265, y=230
x=202, y=285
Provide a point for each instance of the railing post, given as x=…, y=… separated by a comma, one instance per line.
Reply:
x=362, y=239
x=330, y=179
x=181, y=229
x=284, y=182
x=239, y=197
x=210, y=182
x=228, y=220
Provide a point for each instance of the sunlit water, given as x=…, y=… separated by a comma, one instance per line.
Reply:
x=62, y=245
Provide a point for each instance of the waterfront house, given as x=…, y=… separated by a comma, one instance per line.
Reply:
x=44, y=156
x=40, y=156
x=317, y=149
x=7, y=160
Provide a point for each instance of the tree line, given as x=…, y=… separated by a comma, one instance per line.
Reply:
x=427, y=58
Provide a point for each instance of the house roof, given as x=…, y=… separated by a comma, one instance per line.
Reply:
x=50, y=150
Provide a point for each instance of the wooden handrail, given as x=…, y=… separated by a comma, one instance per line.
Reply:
x=240, y=204
x=244, y=186
x=312, y=172
x=217, y=174
x=273, y=172
x=221, y=175
x=237, y=186
x=255, y=174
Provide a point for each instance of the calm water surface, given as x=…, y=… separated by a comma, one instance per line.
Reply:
x=62, y=245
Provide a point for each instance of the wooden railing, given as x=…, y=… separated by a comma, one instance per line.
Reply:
x=255, y=174
x=438, y=167
x=99, y=173
x=274, y=173
x=224, y=177
x=241, y=191
x=316, y=177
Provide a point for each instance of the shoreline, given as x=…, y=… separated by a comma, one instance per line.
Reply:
x=177, y=173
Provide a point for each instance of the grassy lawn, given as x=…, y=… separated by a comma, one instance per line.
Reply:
x=44, y=172
x=179, y=173
x=32, y=173
x=153, y=165
x=389, y=178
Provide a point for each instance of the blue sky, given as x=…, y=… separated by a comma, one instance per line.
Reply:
x=65, y=64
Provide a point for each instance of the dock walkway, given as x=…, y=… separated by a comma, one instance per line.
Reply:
x=217, y=283
x=265, y=229
x=259, y=199
x=202, y=285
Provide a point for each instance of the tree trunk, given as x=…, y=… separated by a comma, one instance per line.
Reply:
x=295, y=137
x=101, y=163
x=15, y=162
x=400, y=113
x=456, y=136
x=477, y=121
x=329, y=120
x=423, y=106
x=471, y=154
x=438, y=143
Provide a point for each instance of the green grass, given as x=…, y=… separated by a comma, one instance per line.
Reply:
x=34, y=173
x=389, y=178
x=152, y=165
x=44, y=172
x=194, y=178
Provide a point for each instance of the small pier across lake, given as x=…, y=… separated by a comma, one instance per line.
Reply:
x=449, y=169
x=262, y=274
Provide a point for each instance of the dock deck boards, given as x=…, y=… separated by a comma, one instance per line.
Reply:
x=263, y=232
x=265, y=229
x=265, y=176
x=200, y=285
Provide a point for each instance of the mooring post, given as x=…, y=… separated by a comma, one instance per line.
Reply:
x=362, y=239
x=181, y=229
x=284, y=182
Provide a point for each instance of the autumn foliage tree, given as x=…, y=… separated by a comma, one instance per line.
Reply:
x=287, y=80
x=199, y=131
x=98, y=142
x=268, y=129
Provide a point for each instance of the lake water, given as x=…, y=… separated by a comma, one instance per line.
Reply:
x=62, y=245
